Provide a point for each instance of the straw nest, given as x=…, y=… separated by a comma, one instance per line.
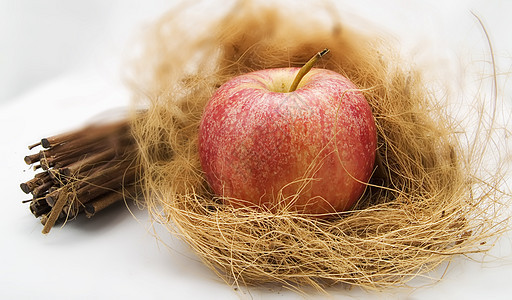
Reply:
x=424, y=205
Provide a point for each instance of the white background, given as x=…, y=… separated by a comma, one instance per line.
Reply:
x=60, y=64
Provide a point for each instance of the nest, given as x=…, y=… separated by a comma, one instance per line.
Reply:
x=424, y=205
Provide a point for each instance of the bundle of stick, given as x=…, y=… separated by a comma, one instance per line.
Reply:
x=81, y=172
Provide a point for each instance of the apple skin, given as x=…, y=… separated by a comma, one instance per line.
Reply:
x=257, y=141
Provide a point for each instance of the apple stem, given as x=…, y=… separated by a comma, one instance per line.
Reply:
x=306, y=68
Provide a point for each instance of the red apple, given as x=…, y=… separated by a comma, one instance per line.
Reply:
x=311, y=150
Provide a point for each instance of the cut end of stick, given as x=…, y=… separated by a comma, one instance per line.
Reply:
x=323, y=52
x=25, y=188
x=45, y=143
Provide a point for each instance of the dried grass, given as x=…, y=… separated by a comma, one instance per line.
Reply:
x=427, y=207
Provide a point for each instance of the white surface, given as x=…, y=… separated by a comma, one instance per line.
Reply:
x=115, y=254
x=40, y=40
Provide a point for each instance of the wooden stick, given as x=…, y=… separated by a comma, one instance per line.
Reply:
x=40, y=190
x=89, y=191
x=107, y=200
x=115, y=169
x=87, y=163
x=33, y=158
x=45, y=217
x=96, y=131
x=55, y=212
x=52, y=197
x=38, y=180
x=34, y=145
x=38, y=206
